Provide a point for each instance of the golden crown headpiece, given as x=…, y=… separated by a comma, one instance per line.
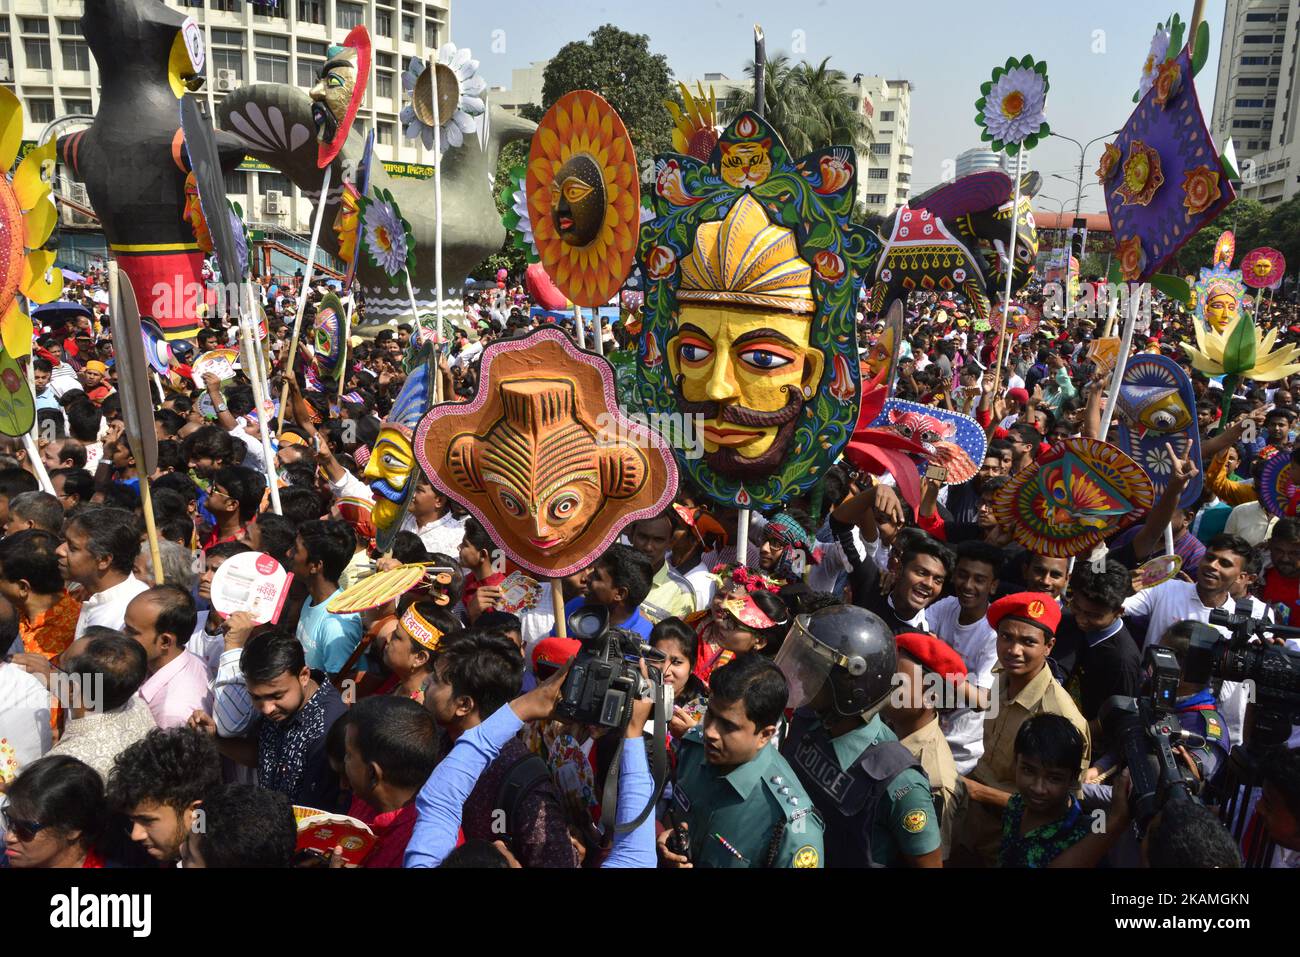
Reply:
x=745, y=260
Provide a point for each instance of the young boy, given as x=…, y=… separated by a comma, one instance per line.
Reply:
x=1044, y=818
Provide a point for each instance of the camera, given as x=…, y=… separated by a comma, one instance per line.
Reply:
x=1147, y=731
x=1271, y=672
x=605, y=678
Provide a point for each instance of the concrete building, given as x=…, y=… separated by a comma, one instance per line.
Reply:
x=885, y=164
x=525, y=88
x=1255, y=96
x=46, y=61
x=978, y=160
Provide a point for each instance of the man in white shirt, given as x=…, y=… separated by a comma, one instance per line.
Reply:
x=961, y=620
x=24, y=720
x=98, y=553
x=431, y=519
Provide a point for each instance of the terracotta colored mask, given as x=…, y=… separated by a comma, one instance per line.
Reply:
x=542, y=456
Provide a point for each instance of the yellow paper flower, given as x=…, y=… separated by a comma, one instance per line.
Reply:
x=1213, y=354
x=27, y=218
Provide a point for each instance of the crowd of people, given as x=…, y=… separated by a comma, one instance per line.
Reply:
x=199, y=739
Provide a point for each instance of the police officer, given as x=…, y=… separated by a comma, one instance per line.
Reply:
x=736, y=803
x=871, y=792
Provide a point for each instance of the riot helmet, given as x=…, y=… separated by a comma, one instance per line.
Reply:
x=846, y=650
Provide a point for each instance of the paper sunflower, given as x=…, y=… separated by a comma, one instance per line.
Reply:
x=385, y=234
x=460, y=92
x=582, y=179
x=1011, y=105
x=27, y=218
x=518, y=225
x=695, y=130
x=1263, y=267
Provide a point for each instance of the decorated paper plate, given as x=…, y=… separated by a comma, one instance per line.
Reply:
x=584, y=196
x=1079, y=494
x=1277, y=486
x=322, y=832
x=377, y=589
x=1159, y=570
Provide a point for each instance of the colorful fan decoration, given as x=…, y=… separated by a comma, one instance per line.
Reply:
x=1158, y=570
x=1072, y=499
x=951, y=440
x=1263, y=267
x=1011, y=106
x=1278, y=492
x=695, y=129
x=1158, y=410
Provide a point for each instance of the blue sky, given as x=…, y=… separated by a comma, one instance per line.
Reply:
x=1094, y=51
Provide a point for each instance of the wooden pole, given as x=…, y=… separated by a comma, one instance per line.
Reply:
x=302, y=293
x=440, y=342
x=248, y=336
x=344, y=356
x=557, y=608
x=1011, y=272
x=1126, y=341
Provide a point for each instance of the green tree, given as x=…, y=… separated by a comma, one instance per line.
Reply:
x=1282, y=232
x=1248, y=220
x=508, y=256
x=620, y=67
x=811, y=107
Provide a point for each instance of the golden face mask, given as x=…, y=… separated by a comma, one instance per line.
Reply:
x=193, y=214
x=346, y=223
x=543, y=457
x=332, y=94
x=1221, y=309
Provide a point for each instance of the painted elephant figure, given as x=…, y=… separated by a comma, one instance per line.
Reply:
x=954, y=238
x=275, y=123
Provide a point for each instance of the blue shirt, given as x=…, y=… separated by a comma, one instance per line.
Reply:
x=328, y=640
x=441, y=801
x=637, y=623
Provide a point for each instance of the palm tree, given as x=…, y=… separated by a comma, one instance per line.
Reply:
x=807, y=105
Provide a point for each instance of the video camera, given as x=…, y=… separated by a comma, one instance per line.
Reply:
x=606, y=674
x=1147, y=732
x=1270, y=672
x=603, y=682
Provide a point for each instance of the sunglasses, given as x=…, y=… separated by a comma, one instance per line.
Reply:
x=25, y=830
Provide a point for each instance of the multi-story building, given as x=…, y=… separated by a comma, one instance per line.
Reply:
x=525, y=88
x=885, y=163
x=45, y=60
x=1255, y=96
x=978, y=160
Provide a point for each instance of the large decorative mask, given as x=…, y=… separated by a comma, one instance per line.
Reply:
x=346, y=224
x=328, y=339
x=951, y=440
x=1158, y=409
x=391, y=467
x=543, y=457
x=584, y=197
x=338, y=93
x=1218, y=296
x=1075, y=497
x=749, y=320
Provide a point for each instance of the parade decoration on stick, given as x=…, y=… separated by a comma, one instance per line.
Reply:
x=751, y=265
x=1241, y=352
x=460, y=93
x=391, y=469
x=1011, y=106
x=584, y=196
x=1158, y=409
x=951, y=441
x=695, y=128
x=1278, y=489
x=543, y=457
x=1263, y=268
x=1070, y=500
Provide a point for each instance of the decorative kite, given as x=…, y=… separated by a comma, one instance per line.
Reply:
x=584, y=197
x=1073, y=498
x=543, y=457
x=1158, y=409
x=751, y=266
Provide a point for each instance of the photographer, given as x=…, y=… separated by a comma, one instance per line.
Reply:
x=442, y=800
x=619, y=581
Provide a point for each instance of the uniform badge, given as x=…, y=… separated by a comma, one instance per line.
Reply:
x=1212, y=727
x=914, y=821
x=682, y=800
x=1036, y=609
x=806, y=856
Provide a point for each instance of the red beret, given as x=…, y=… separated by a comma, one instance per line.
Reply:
x=1019, y=395
x=1036, y=607
x=551, y=654
x=933, y=654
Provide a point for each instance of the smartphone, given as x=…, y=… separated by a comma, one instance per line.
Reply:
x=936, y=472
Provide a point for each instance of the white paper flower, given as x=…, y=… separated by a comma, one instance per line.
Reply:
x=1013, y=107
x=455, y=78
x=1156, y=56
x=386, y=237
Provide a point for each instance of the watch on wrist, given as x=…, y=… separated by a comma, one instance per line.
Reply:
x=220, y=408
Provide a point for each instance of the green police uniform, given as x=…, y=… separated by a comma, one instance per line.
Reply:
x=903, y=819
x=754, y=815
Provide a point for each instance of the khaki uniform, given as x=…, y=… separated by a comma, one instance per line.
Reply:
x=931, y=749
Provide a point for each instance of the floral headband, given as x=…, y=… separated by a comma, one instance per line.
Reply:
x=746, y=611
x=422, y=631
x=750, y=581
